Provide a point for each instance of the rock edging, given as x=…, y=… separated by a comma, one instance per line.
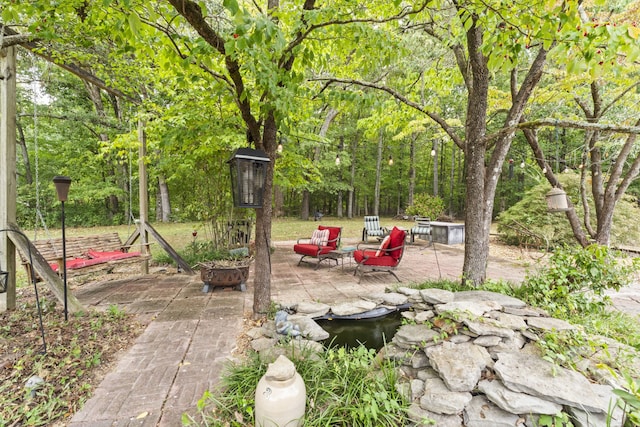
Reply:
x=470, y=359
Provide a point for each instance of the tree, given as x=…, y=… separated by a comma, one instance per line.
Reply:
x=493, y=43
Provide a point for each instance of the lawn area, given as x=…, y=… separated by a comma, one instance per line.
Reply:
x=179, y=235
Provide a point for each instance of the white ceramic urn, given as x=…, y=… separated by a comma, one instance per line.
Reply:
x=280, y=396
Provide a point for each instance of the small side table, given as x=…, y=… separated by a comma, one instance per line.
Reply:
x=340, y=254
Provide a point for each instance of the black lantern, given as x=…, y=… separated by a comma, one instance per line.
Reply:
x=248, y=172
x=4, y=278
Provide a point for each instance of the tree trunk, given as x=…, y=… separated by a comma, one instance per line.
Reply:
x=278, y=201
x=28, y=178
x=412, y=169
x=165, y=200
x=476, y=243
x=262, y=270
x=376, y=193
x=304, y=208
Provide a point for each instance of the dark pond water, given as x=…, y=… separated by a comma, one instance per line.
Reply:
x=372, y=333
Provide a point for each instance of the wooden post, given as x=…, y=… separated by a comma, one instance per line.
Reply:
x=8, y=168
x=143, y=195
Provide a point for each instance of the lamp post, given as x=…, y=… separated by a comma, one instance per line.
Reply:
x=62, y=184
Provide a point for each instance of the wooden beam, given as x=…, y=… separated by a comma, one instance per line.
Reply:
x=8, y=169
x=41, y=266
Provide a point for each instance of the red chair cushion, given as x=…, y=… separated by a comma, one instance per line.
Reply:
x=380, y=261
x=334, y=232
x=111, y=256
x=311, y=250
x=397, y=239
x=78, y=263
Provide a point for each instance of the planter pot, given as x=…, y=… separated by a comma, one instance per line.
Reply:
x=214, y=274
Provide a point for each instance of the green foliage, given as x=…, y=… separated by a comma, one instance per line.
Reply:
x=199, y=251
x=426, y=206
x=631, y=401
x=558, y=420
x=576, y=280
x=529, y=223
x=344, y=387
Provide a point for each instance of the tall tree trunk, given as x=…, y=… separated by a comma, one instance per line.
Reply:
x=112, y=202
x=481, y=181
x=412, y=169
x=304, y=208
x=165, y=200
x=376, y=193
x=352, y=177
x=28, y=177
x=278, y=202
x=262, y=270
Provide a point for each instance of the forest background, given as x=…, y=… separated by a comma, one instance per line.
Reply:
x=361, y=106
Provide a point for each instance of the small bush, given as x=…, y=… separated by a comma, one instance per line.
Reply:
x=576, y=279
x=426, y=206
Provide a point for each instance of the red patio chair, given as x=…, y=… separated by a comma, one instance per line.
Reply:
x=385, y=257
x=324, y=240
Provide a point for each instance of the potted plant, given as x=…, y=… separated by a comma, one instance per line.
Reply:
x=223, y=260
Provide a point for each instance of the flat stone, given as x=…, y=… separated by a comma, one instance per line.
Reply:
x=439, y=399
x=525, y=311
x=410, y=336
x=423, y=418
x=308, y=327
x=487, y=341
x=410, y=292
x=502, y=300
x=305, y=307
x=482, y=413
x=394, y=298
x=516, y=402
x=459, y=365
x=488, y=327
x=424, y=316
x=353, y=307
x=476, y=308
x=436, y=296
x=510, y=321
x=549, y=324
x=417, y=389
x=263, y=343
x=537, y=377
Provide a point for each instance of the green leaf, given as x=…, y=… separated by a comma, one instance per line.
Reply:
x=134, y=23
x=231, y=6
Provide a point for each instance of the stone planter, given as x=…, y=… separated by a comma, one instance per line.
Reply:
x=224, y=274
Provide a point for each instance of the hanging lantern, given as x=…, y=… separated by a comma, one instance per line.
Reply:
x=557, y=200
x=248, y=171
x=4, y=278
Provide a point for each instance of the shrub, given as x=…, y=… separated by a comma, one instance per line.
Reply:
x=576, y=279
x=426, y=206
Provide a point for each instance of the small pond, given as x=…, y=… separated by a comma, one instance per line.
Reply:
x=372, y=333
